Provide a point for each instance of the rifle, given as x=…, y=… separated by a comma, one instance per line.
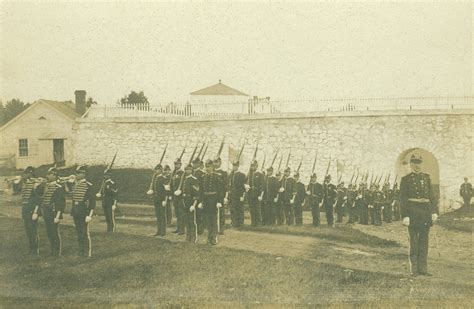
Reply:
x=279, y=164
x=263, y=162
x=396, y=177
x=250, y=166
x=150, y=188
x=274, y=158
x=190, y=161
x=240, y=152
x=200, y=151
x=204, y=154
x=340, y=178
x=299, y=166
x=327, y=169
x=220, y=148
x=388, y=178
x=352, y=178
x=102, y=186
x=182, y=153
x=314, y=163
x=288, y=160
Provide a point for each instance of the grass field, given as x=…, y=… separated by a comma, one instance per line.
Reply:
x=349, y=266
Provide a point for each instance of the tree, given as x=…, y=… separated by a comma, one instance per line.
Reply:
x=135, y=98
x=11, y=109
x=89, y=102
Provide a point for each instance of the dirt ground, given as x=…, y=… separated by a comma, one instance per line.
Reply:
x=353, y=250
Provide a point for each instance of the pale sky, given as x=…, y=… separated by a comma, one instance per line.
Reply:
x=291, y=51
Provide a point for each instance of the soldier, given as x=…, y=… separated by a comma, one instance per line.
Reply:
x=315, y=196
x=329, y=199
x=340, y=201
x=378, y=201
x=109, y=200
x=387, y=207
x=177, y=199
x=30, y=201
x=169, y=209
x=286, y=211
x=351, y=205
x=211, y=194
x=396, y=202
x=254, y=188
x=199, y=173
x=236, y=195
x=298, y=198
x=83, y=205
x=466, y=193
x=159, y=199
x=419, y=211
x=190, y=194
x=225, y=181
x=370, y=202
x=52, y=206
x=270, y=191
x=362, y=204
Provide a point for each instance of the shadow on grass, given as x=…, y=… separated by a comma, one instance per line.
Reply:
x=460, y=220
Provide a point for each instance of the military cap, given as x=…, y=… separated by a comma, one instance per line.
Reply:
x=81, y=169
x=177, y=161
x=218, y=159
x=196, y=160
x=327, y=177
x=167, y=168
x=158, y=167
x=107, y=172
x=254, y=163
x=209, y=163
x=188, y=167
x=53, y=170
x=235, y=163
x=288, y=169
x=416, y=158
x=296, y=174
x=314, y=175
x=29, y=169
x=270, y=168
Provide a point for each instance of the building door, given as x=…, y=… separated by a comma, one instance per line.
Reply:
x=58, y=152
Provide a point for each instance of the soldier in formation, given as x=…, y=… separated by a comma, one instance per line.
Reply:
x=109, y=200
x=30, y=201
x=314, y=193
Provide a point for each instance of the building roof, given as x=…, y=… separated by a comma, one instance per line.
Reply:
x=218, y=89
x=67, y=108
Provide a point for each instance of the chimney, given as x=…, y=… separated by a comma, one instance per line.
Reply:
x=80, y=101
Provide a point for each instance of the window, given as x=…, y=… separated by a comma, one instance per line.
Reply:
x=23, y=147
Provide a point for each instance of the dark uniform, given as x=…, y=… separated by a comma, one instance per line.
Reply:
x=109, y=202
x=299, y=197
x=340, y=202
x=190, y=200
x=362, y=204
x=211, y=194
x=378, y=201
x=225, y=181
x=351, y=204
x=83, y=202
x=418, y=203
x=177, y=200
x=387, y=207
x=466, y=192
x=315, y=196
x=199, y=173
x=30, y=201
x=270, y=191
x=52, y=204
x=160, y=200
x=396, y=202
x=255, y=184
x=169, y=194
x=329, y=199
x=370, y=203
x=236, y=196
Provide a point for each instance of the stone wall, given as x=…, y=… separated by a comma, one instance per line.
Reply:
x=374, y=141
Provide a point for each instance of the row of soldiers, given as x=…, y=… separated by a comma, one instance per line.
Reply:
x=201, y=193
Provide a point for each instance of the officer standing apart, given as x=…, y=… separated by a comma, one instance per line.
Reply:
x=83, y=205
x=53, y=205
x=109, y=200
x=419, y=212
x=466, y=192
x=30, y=201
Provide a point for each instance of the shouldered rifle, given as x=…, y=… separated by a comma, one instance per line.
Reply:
x=387, y=179
x=181, y=181
x=327, y=169
x=314, y=163
x=174, y=169
x=263, y=162
x=102, y=186
x=299, y=166
x=220, y=148
x=250, y=166
x=288, y=160
x=395, y=182
x=150, y=188
x=274, y=158
x=205, y=150
x=200, y=151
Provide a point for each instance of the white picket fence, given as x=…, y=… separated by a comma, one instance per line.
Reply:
x=252, y=107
